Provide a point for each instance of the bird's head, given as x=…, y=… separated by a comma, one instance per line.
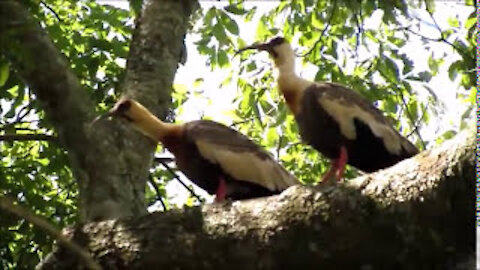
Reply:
x=141, y=118
x=278, y=48
x=129, y=110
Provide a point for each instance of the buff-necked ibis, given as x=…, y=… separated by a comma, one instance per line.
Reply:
x=215, y=157
x=335, y=120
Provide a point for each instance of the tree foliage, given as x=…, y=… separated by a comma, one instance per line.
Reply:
x=337, y=39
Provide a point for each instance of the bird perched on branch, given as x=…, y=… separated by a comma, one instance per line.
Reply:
x=335, y=120
x=215, y=157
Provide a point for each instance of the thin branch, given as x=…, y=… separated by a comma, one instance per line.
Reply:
x=8, y=205
x=359, y=23
x=151, y=180
x=410, y=117
x=27, y=110
x=165, y=165
x=234, y=124
x=4, y=126
x=323, y=32
x=407, y=28
x=163, y=159
x=419, y=121
x=280, y=140
x=430, y=13
x=27, y=137
x=51, y=10
x=437, y=26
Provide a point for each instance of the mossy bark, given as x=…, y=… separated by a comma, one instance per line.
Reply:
x=418, y=214
x=109, y=160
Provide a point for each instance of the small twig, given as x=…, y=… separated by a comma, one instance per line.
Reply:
x=257, y=73
x=163, y=159
x=410, y=117
x=322, y=33
x=27, y=110
x=51, y=10
x=8, y=205
x=164, y=164
x=430, y=13
x=27, y=137
x=4, y=126
x=279, y=145
x=437, y=26
x=359, y=27
x=151, y=180
x=417, y=125
x=234, y=124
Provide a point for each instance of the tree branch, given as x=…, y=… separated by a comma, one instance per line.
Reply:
x=9, y=206
x=51, y=10
x=46, y=70
x=157, y=191
x=327, y=25
x=165, y=165
x=107, y=158
x=27, y=137
x=418, y=214
x=410, y=117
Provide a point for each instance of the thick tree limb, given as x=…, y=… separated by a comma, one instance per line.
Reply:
x=94, y=156
x=418, y=214
x=108, y=159
x=8, y=205
x=46, y=71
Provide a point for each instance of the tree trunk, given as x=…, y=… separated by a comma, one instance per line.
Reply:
x=418, y=214
x=107, y=158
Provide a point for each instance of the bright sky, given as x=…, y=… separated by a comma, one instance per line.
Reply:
x=208, y=99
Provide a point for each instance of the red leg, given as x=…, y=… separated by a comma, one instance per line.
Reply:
x=221, y=190
x=338, y=166
x=341, y=162
x=330, y=172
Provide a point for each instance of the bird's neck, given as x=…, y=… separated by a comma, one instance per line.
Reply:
x=155, y=128
x=291, y=85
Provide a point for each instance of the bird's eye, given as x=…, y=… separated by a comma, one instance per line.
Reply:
x=124, y=106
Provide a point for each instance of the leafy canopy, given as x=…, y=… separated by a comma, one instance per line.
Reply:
x=337, y=39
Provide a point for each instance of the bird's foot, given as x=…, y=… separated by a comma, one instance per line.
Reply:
x=337, y=168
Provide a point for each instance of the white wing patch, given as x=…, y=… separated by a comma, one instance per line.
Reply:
x=247, y=166
x=345, y=115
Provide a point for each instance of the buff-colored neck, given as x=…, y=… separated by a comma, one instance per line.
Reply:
x=150, y=125
x=288, y=81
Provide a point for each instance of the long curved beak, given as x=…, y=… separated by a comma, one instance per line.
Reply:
x=111, y=113
x=259, y=47
x=103, y=116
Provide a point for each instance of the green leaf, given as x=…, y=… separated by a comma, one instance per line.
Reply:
x=316, y=21
x=222, y=59
x=236, y=9
x=454, y=68
x=230, y=24
x=218, y=31
x=433, y=65
x=425, y=76
x=271, y=137
x=4, y=72
x=389, y=69
x=262, y=30
x=453, y=22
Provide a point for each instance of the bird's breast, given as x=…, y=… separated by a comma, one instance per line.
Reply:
x=292, y=98
x=175, y=142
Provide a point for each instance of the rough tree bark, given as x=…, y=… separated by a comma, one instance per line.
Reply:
x=418, y=214
x=110, y=169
